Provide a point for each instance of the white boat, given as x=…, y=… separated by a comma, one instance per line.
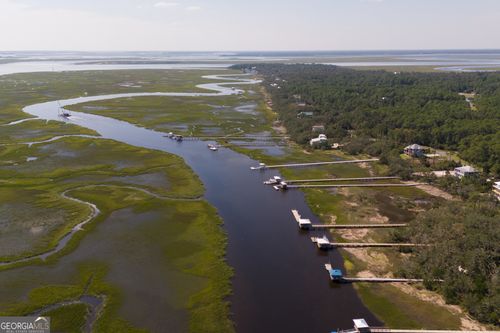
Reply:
x=261, y=166
x=273, y=181
x=212, y=147
x=283, y=186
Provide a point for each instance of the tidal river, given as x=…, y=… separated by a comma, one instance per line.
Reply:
x=280, y=284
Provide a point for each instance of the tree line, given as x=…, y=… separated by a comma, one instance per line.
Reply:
x=379, y=111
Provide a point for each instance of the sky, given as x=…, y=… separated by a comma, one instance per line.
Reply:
x=246, y=25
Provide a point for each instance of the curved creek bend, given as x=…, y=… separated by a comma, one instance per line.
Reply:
x=280, y=283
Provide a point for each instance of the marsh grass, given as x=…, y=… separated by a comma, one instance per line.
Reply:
x=188, y=234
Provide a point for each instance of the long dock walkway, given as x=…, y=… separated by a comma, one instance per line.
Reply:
x=293, y=181
x=376, y=244
x=256, y=138
x=337, y=276
x=359, y=226
x=376, y=279
x=360, y=325
x=292, y=165
x=306, y=222
x=351, y=185
x=325, y=243
x=397, y=330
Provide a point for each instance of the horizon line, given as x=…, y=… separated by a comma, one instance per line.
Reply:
x=256, y=50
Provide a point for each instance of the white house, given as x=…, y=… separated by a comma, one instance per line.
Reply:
x=321, y=139
x=414, y=150
x=465, y=171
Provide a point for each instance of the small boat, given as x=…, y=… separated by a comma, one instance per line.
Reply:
x=273, y=181
x=212, y=147
x=63, y=113
x=261, y=166
x=282, y=186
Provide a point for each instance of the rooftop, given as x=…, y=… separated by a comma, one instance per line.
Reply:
x=360, y=323
x=466, y=169
x=414, y=147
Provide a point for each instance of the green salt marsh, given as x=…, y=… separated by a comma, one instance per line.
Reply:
x=155, y=244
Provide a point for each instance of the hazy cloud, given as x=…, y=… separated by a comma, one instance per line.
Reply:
x=163, y=4
x=179, y=25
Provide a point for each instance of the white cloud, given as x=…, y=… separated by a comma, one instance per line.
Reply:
x=193, y=8
x=163, y=4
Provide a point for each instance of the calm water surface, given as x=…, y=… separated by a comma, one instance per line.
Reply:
x=280, y=284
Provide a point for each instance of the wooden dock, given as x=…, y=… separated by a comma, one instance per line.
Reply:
x=324, y=243
x=303, y=223
x=255, y=138
x=299, y=219
x=359, y=226
x=361, y=326
x=293, y=165
x=377, y=245
x=336, y=276
x=293, y=181
x=397, y=330
x=351, y=185
x=381, y=280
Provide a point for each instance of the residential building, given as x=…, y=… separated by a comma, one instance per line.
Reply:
x=465, y=171
x=414, y=150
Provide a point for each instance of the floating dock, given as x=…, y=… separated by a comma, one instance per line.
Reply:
x=336, y=275
x=294, y=165
x=324, y=243
x=303, y=223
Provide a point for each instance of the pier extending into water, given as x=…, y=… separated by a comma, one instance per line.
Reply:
x=306, y=224
x=336, y=275
x=254, y=138
x=351, y=185
x=398, y=330
x=325, y=244
x=360, y=326
x=263, y=166
x=293, y=181
x=359, y=226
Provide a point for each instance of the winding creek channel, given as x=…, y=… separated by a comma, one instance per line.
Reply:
x=280, y=284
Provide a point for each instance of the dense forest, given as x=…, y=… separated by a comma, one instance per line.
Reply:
x=465, y=253
x=378, y=111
